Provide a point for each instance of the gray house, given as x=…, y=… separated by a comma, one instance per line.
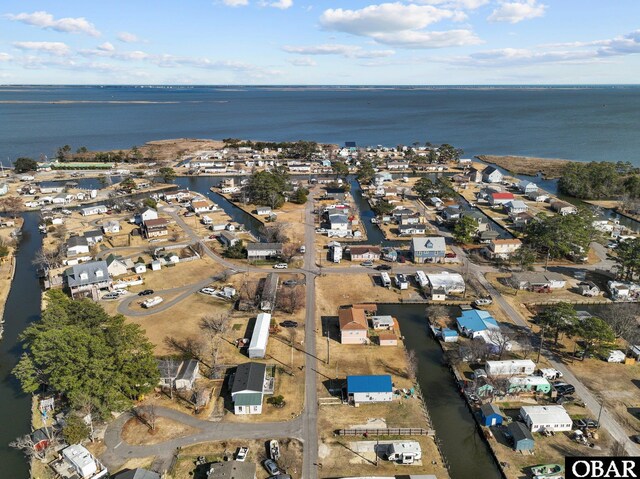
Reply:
x=521, y=437
x=228, y=239
x=137, y=473
x=491, y=174
x=232, y=470
x=262, y=251
x=269, y=292
x=180, y=375
x=87, y=279
x=249, y=386
x=431, y=249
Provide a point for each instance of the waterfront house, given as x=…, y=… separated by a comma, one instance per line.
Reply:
x=146, y=215
x=93, y=237
x=521, y=437
x=260, y=336
x=263, y=251
x=532, y=384
x=430, y=249
x=482, y=222
x=335, y=251
x=487, y=236
x=41, y=438
x=364, y=253
x=500, y=198
x=448, y=283
x=521, y=220
x=398, y=165
x=525, y=187
x=546, y=418
x=491, y=174
x=382, y=322
x=510, y=367
x=228, y=239
x=268, y=295
x=178, y=374
x=449, y=335
x=404, y=452
x=155, y=228
x=502, y=248
x=474, y=323
x=116, y=266
x=93, y=210
x=249, y=386
x=111, y=226
x=263, y=211
x=77, y=245
x=338, y=222
x=563, y=208
x=410, y=230
x=369, y=389
x=200, y=206
x=515, y=207
x=412, y=219
x=588, y=288
x=77, y=461
x=538, y=196
x=232, y=470
x=353, y=325
x=473, y=175
x=490, y=415
x=387, y=338
x=452, y=213
x=533, y=280
x=137, y=473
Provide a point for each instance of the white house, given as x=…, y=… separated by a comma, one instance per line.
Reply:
x=94, y=210
x=527, y=187
x=369, y=389
x=82, y=463
x=546, y=418
x=77, y=245
x=492, y=175
x=250, y=384
x=140, y=268
x=503, y=248
x=339, y=222
x=510, y=367
x=515, y=207
x=180, y=375
x=116, y=266
x=111, y=226
x=382, y=322
x=200, y=206
x=148, y=214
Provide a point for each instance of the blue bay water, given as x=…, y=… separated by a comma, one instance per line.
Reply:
x=582, y=123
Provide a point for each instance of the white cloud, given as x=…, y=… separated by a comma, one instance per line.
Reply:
x=46, y=20
x=461, y=4
x=127, y=37
x=106, y=47
x=402, y=25
x=297, y=62
x=52, y=48
x=236, y=3
x=5, y=57
x=514, y=12
x=281, y=4
x=348, y=51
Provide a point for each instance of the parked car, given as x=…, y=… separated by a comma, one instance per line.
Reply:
x=241, y=454
x=210, y=291
x=111, y=295
x=367, y=263
x=383, y=267
x=636, y=438
x=121, y=292
x=189, y=213
x=479, y=373
x=303, y=249
x=281, y=266
x=145, y=292
x=290, y=282
x=289, y=324
x=280, y=476
x=271, y=467
x=482, y=302
x=564, y=388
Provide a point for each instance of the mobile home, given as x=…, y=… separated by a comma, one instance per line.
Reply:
x=385, y=279
x=260, y=336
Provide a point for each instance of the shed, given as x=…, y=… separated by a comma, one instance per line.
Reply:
x=260, y=336
x=369, y=389
x=387, y=338
x=156, y=265
x=521, y=437
x=449, y=335
x=490, y=415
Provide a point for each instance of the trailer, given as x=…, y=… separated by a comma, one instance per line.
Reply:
x=385, y=279
x=510, y=367
x=421, y=279
x=401, y=281
x=260, y=336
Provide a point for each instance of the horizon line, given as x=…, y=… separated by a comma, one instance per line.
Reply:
x=304, y=85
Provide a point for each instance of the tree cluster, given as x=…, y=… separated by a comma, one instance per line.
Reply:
x=80, y=351
x=426, y=188
x=23, y=164
x=268, y=187
x=561, y=236
x=298, y=149
x=598, y=180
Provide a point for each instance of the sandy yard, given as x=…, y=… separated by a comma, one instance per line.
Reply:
x=185, y=467
x=526, y=165
x=136, y=432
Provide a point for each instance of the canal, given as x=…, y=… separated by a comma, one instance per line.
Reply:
x=466, y=452
x=22, y=308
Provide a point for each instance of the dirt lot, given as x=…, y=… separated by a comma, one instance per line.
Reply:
x=527, y=165
x=136, y=432
x=185, y=468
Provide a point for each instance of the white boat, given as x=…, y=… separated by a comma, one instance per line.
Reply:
x=274, y=450
x=150, y=303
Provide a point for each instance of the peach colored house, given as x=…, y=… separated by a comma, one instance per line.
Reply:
x=353, y=326
x=388, y=338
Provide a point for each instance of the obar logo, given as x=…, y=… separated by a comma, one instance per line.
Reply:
x=602, y=467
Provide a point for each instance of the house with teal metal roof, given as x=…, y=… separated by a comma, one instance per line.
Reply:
x=474, y=323
x=368, y=389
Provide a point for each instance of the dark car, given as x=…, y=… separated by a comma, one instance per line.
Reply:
x=146, y=292
x=271, y=467
x=383, y=267
x=289, y=324
x=564, y=388
x=281, y=476
x=636, y=438
x=290, y=282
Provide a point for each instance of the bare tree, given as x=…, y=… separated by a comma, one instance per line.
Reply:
x=200, y=398
x=618, y=449
x=293, y=333
x=47, y=258
x=169, y=370
x=60, y=232
x=412, y=364
x=11, y=205
x=289, y=251
x=291, y=299
x=623, y=319
x=215, y=328
x=436, y=312
x=152, y=416
x=288, y=461
x=477, y=351
x=28, y=447
x=501, y=339
x=190, y=347
x=526, y=346
x=275, y=233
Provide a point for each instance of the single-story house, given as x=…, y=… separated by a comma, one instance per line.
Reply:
x=387, y=338
x=452, y=213
x=405, y=452
x=490, y=415
x=449, y=283
x=89, y=277
x=353, y=325
x=521, y=437
x=410, y=230
x=430, y=249
x=364, y=253
x=536, y=384
x=382, y=322
x=538, y=196
x=369, y=389
x=93, y=210
x=180, y=375
x=263, y=251
x=111, y=226
x=263, y=210
x=449, y=335
x=413, y=219
x=200, y=206
x=563, y=208
x=510, y=367
x=137, y=473
x=269, y=292
x=83, y=464
x=526, y=187
x=260, y=336
x=515, y=207
x=531, y=280
x=503, y=248
x=232, y=470
x=473, y=323
x=588, y=288
x=491, y=174
x=93, y=236
x=520, y=220
x=550, y=418
x=155, y=228
x=41, y=438
x=500, y=198
x=77, y=245
x=228, y=238
x=248, y=388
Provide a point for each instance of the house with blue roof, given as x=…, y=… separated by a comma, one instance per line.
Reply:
x=474, y=323
x=368, y=389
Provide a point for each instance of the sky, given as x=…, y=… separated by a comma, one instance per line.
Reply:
x=276, y=42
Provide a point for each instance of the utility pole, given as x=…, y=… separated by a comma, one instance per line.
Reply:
x=600, y=412
x=328, y=348
x=541, y=343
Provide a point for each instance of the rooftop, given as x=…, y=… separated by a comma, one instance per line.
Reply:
x=368, y=384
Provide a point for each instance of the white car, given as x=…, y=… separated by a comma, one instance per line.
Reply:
x=111, y=295
x=483, y=302
x=121, y=292
x=241, y=454
x=303, y=249
x=210, y=291
x=281, y=266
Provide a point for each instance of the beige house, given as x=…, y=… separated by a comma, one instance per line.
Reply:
x=503, y=248
x=387, y=338
x=353, y=326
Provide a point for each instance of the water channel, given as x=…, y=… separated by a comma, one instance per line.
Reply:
x=466, y=452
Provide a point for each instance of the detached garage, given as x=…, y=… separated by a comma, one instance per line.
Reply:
x=368, y=389
x=490, y=414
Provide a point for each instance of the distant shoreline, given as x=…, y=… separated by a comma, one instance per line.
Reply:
x=550, y=168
